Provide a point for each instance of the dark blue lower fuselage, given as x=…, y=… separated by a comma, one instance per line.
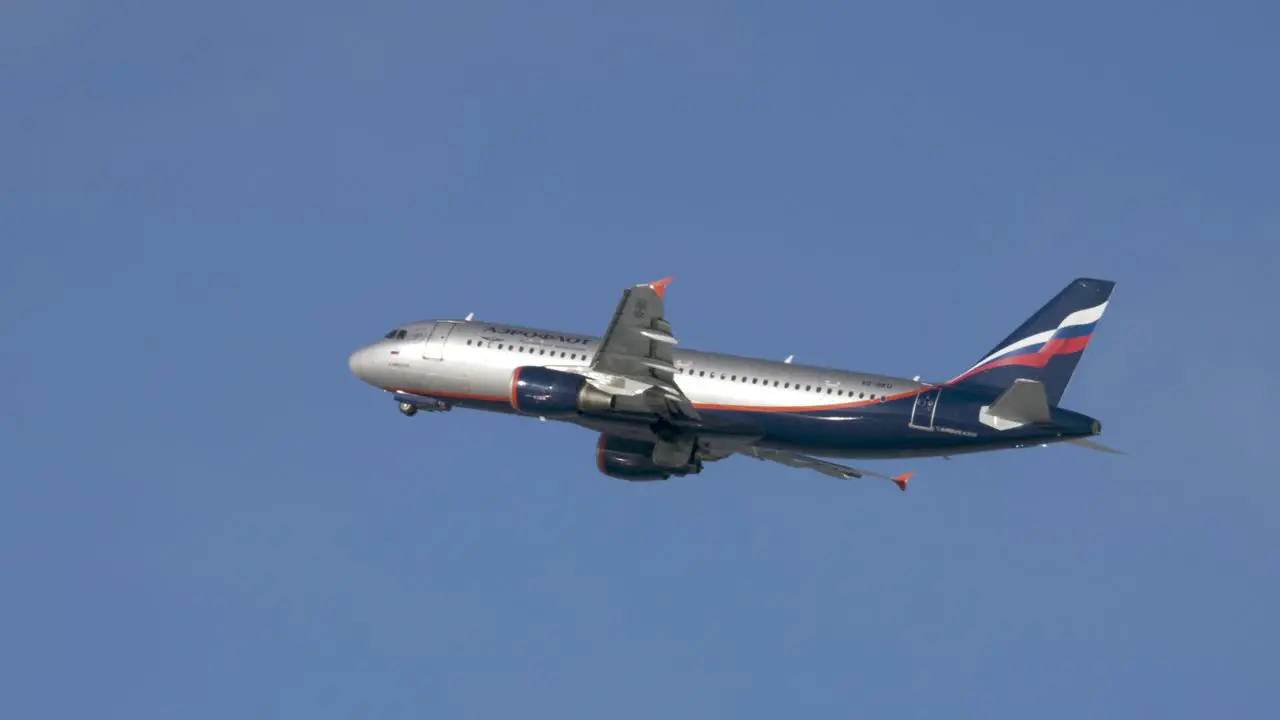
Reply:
x=939, y=421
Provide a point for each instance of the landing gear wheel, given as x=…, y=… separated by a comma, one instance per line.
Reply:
x=409, y=409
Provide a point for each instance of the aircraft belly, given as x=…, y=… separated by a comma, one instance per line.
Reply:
x=863, y=431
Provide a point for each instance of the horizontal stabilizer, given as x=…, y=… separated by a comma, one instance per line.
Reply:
x=1024, y=403
x=1086, y=443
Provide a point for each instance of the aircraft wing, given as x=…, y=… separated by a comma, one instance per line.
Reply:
x=637, y=346
x=841, y=472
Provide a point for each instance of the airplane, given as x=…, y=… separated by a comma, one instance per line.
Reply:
x=662, y=412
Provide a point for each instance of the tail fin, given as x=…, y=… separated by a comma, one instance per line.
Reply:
x=1048, y=345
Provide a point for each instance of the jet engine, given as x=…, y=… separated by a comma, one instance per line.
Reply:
x=542, y=391
x=628, y=459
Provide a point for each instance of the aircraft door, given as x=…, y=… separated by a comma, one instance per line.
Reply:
x=434, y=349
x=925, y=407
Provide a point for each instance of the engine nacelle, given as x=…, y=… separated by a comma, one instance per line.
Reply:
x=628, y=459
x=541, y=391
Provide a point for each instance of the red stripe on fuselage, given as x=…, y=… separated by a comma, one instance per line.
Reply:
x=701, y=406
x=511, y=400
x=791, y=408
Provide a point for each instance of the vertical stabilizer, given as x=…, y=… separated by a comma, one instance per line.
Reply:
x=1047, y=347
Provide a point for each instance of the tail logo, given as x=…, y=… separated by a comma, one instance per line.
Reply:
x=1071, y=336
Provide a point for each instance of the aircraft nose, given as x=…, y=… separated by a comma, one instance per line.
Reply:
x=357, y=362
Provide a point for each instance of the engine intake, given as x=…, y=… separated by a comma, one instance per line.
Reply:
x=542, y=391
x=628, y=459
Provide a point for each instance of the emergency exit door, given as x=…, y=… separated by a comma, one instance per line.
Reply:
x=434, y=349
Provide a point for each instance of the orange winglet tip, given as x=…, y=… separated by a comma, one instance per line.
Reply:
x=901, y=480
x=660, y=286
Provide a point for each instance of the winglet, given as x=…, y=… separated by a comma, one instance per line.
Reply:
x=901, y=480
x=660, y=286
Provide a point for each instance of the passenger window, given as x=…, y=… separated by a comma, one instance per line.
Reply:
x=775, y=383
x=499, y=346
x=702, y=373
x=755, y=381
x=786, y=385
x=808, y=387
x=828, y=391
x=733, y=377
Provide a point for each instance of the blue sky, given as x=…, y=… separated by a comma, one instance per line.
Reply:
x=205, y=208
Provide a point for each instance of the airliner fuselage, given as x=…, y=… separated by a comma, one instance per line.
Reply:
x=648, y=398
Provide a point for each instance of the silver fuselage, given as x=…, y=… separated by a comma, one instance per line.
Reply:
x=470, y=364
x=474, y=360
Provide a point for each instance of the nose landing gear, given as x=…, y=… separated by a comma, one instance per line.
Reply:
x=411, y=404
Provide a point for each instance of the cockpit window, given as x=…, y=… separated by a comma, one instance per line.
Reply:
x=400, y=335
x=391, y=335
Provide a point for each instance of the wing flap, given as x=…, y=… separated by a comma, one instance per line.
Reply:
x=841, y=472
